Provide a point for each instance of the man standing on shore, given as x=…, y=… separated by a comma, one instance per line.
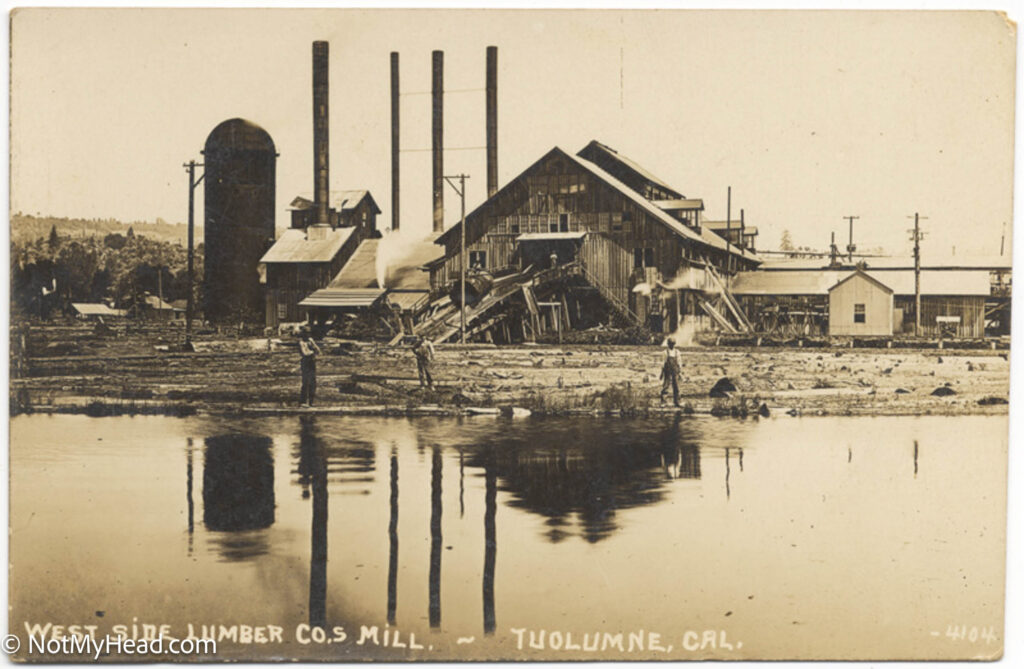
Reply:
x=308, y=350
x=424, y=351
x=670, y=370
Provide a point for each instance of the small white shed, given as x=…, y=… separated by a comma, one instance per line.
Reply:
x=860, y=305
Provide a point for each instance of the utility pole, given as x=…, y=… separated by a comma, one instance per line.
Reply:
x=728, y=226
x=916, y=237
x=190, y=303
x=850, y=248
x=461, y=190
x=833, y=252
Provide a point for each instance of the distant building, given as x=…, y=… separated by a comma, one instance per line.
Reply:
x=796, y=301
x=347, y=208
x=743, y=235
x=95, y=311
x=860, y=305
x=308, y=255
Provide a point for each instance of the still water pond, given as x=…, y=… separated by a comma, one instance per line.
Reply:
x=810, y=538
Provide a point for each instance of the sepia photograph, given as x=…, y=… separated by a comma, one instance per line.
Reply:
x=476, y=335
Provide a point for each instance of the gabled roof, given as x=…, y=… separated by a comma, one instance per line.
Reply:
x=705, y=237
x=340, y=200
x=598, y=150
x=293, y=246
x=865, y=276
x=401, y=273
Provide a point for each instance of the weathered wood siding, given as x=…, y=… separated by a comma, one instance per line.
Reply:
x=609, y=264
x=877, y=302
x=970, y=309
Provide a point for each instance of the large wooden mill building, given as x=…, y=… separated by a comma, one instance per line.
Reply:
x=630, y=244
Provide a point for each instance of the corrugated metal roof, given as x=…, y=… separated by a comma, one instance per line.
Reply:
x=91, y=309
x=361, y=269
x=673, y=205
x=818, y=282
x=293, y=246
x=928, y=262
x=402, y=272
x=339, y=200
x=337, y=297
x=408, y=299
x=542, y=236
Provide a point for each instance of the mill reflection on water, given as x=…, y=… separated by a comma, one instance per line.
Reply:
x=558, y=471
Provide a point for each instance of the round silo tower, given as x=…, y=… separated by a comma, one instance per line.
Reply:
x=240, y=163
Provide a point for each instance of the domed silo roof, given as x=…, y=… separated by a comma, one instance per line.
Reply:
x=238, y=134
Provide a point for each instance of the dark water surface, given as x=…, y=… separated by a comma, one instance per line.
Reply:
x=810, y=538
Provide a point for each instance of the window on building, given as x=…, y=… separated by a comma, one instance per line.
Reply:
x=282, y=311
x=513, y=228
x=616, y=222
x=478, y=259
x=858, y=313
x=563, y=222
x=553, y=227
x=643, y=257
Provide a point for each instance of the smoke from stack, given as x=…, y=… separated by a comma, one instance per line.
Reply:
x=321, y=135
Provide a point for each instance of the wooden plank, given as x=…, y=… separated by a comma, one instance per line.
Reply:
x=717, y=317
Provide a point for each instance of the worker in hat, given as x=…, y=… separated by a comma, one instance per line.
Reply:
x=307, y=364
x=670, y=370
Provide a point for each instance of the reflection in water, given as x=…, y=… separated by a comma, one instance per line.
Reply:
x=188, y=495
x=393, y=542
x=490, y=542
x=915, y=458
x=238, y=493
x=313, y=465
x=727, y=472
x=462, y=485
x=590, y=472
x=583, y=478
x=435, y=537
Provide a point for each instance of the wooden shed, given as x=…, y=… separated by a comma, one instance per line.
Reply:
x=860, y=305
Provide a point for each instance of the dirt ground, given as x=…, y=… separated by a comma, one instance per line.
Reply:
x=233, y=375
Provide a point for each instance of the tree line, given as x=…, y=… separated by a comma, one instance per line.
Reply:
x=49, y=273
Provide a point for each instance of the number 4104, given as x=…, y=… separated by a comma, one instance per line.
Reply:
x=970, y=634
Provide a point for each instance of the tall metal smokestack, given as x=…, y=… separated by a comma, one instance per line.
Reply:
x=321, y=139
x=394, y=140
x=437, y=135
x=492, y=120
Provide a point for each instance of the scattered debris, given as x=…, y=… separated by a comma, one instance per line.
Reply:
x=989, y=401
x=943, y=391
x=722, y=388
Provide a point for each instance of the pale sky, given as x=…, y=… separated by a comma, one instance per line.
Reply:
x=809, y=116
